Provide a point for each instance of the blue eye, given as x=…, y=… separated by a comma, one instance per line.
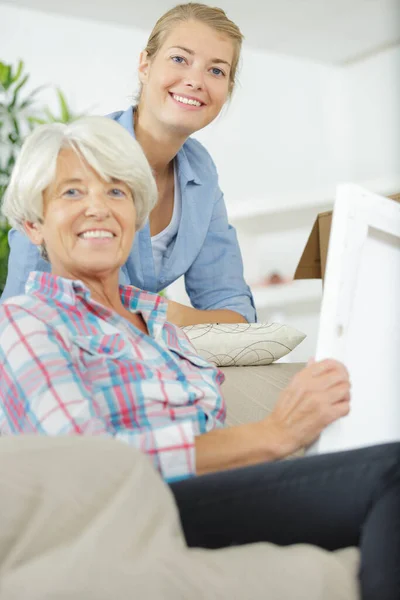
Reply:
x=72, y=193
x=117, y=192
x=178, y=59
x=218, y=72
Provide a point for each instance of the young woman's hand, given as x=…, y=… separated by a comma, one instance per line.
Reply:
x=316, y=396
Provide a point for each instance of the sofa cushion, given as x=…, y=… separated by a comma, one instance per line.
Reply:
x=243, y=344
x=90, y=518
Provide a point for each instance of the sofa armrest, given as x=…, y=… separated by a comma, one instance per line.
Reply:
x=251, y=392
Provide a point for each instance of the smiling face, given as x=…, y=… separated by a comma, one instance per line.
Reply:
x=186, y=84
x=88, y=224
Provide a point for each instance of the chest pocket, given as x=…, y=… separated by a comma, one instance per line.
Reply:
x=102, y=359
x=110, y=346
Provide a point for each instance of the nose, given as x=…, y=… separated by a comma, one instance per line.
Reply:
x=195, y=78
x=97, y=205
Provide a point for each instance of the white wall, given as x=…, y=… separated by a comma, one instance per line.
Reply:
x=93, y=63
x=372, y=97
x=274, y=138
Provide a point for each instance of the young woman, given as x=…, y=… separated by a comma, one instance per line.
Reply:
x=187, y=73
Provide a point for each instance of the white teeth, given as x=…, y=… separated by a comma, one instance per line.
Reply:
x=96, y=233
x=186, y=100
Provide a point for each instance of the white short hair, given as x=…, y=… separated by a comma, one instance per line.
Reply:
x=104, y=144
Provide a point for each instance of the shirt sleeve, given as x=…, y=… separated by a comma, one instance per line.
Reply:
x=42, y=392
x=215, y=279
x=24, y=258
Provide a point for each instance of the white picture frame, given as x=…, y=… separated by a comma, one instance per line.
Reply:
x=360, y=317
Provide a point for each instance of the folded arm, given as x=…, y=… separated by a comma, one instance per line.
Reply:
x=182, y=315
x=215, y=282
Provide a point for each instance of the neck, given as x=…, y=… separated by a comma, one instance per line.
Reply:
x=159, y=145
x=106, y=293
x=103, y=289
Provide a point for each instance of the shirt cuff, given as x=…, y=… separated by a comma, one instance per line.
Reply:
x=172, y=449
x=246, y=309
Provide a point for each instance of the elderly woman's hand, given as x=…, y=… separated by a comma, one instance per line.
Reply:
x=316, y=396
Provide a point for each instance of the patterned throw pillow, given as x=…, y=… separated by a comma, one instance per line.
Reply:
x=243, y=344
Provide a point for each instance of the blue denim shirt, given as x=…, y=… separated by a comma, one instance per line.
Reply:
x=205, y=249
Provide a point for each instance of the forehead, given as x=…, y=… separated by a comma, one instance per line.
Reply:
x=71, y=165
x=202, y=39
x=69, y=162
x=71, y=168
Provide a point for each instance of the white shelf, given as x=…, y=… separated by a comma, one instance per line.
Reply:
x=279, y=205
x=300, y=291
x=314, y=200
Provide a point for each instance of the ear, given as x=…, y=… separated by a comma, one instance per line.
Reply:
x=34, y=232
x=144, y=67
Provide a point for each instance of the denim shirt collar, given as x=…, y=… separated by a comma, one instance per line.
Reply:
x=187, y=172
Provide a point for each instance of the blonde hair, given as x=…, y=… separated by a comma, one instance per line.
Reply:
x=104, y=145
x=213, y=17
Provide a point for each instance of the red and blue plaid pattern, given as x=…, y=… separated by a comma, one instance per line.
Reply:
x=68, y=365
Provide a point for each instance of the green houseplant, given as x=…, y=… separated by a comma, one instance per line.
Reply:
x=20, y=112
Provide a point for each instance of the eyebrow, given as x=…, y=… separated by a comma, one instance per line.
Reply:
x=78, y=180
x=191, y=52
x=69, y=181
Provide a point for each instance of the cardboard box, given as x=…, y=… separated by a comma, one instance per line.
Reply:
x=313, y=260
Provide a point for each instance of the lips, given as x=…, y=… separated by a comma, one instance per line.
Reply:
x=187, y=100
x=87, y=234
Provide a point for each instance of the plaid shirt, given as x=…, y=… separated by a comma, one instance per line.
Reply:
x=68, y=365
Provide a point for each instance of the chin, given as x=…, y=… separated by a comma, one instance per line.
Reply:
x=186, y=126
x=97, y=270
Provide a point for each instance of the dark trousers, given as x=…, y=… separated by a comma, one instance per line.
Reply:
x=332, y=500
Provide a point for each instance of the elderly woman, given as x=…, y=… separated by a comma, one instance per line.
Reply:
x=80, y=354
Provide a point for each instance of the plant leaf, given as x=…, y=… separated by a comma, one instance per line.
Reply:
x=8, y=77
x=65, y=116
x=36, y=121
x=50, y=117
x=17, y=89
x=19, y=71
x=31, y=97
x=3, y=73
